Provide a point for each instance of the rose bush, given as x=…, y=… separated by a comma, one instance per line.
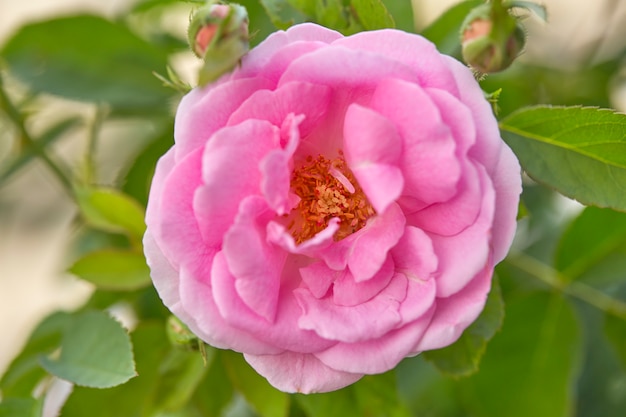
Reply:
x=332, y=206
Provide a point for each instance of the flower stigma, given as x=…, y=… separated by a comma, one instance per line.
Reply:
x=327, y=189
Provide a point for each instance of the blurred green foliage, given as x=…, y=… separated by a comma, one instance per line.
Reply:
x=560, y=350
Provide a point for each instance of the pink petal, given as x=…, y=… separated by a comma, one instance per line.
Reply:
x=373, y=242
x=261, y=56
x=420, y=298
x=368, y=320
x=456, y=115
x=488, y=144
x=348, y=292
x=279, y=235
x=174, y=226
x=318, y=278
x=305, y=99
x=164, y=276
x=277, y=166
x=455, y=313
x=227, y=182
x=418, y=53
x=298, y=372
x=429, y=163
x=198, y=310
x=508, y=185
x=414, y=255
x=451, y=217
x=491, y=151
x=256, y=265
x=346, y=69
x=203, y=111
x=377, y=355
x=462, y=256
x=283, y=332
x=373, y=149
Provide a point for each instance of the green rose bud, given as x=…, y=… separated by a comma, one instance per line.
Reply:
x=491, y=38
x=218, y=33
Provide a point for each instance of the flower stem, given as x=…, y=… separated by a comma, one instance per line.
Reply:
x=559, y=282
x=18, y=120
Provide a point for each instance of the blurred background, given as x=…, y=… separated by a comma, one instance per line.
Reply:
x=37, y=219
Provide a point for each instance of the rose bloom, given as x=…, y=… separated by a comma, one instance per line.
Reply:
x=332, y=206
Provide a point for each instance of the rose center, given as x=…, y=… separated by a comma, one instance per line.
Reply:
x=327, y=189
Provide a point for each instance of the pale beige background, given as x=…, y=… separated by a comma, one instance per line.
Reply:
x=35, y=216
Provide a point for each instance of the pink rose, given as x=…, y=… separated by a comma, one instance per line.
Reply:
x=333, y=206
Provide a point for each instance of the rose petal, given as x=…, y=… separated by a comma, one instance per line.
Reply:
x=377, y=355
x=256, y=265
x=226, y=183
x=198, y=310
x=429, y=163
x=283, y=332
x=318, y=278
x=451, y=217
x=414, y=255
x=297, y=372
x=463, y=255
x=175, y=228
x=418, y=53
x=370, y=248
x=260, y=57
x=346, y=69
x=203, y=111
x=373, y=149
x=299, y=98
x=455, y=313
x=507, y=182
x=353, y=323
x=348, y=292
x=277, y=166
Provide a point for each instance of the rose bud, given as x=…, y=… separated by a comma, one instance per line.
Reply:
x=218, y=33
x=491, y=40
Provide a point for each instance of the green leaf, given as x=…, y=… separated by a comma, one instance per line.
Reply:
x=331, y=404
x=530, y=366
x=594, y=237
x=615, y=329
x=445, y=31
x=115, y=270
x=215, y=391
x=372, y=396
x=180, y=374
x=402, y=13
x=265, y=399
x=88, y=58
x=372, y=14
x=24, y=372
x=95, y=352
x=282, y=13
x=20, y=407
x=134, y=398
x=579, y=151
x=111, y=210
x=463, y=357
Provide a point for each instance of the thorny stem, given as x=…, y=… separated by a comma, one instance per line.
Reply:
x=576, y=289
x=18, y=120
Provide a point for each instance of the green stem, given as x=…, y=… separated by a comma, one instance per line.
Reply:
x=18, y=120
x=576, y=289
x=92, y=145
